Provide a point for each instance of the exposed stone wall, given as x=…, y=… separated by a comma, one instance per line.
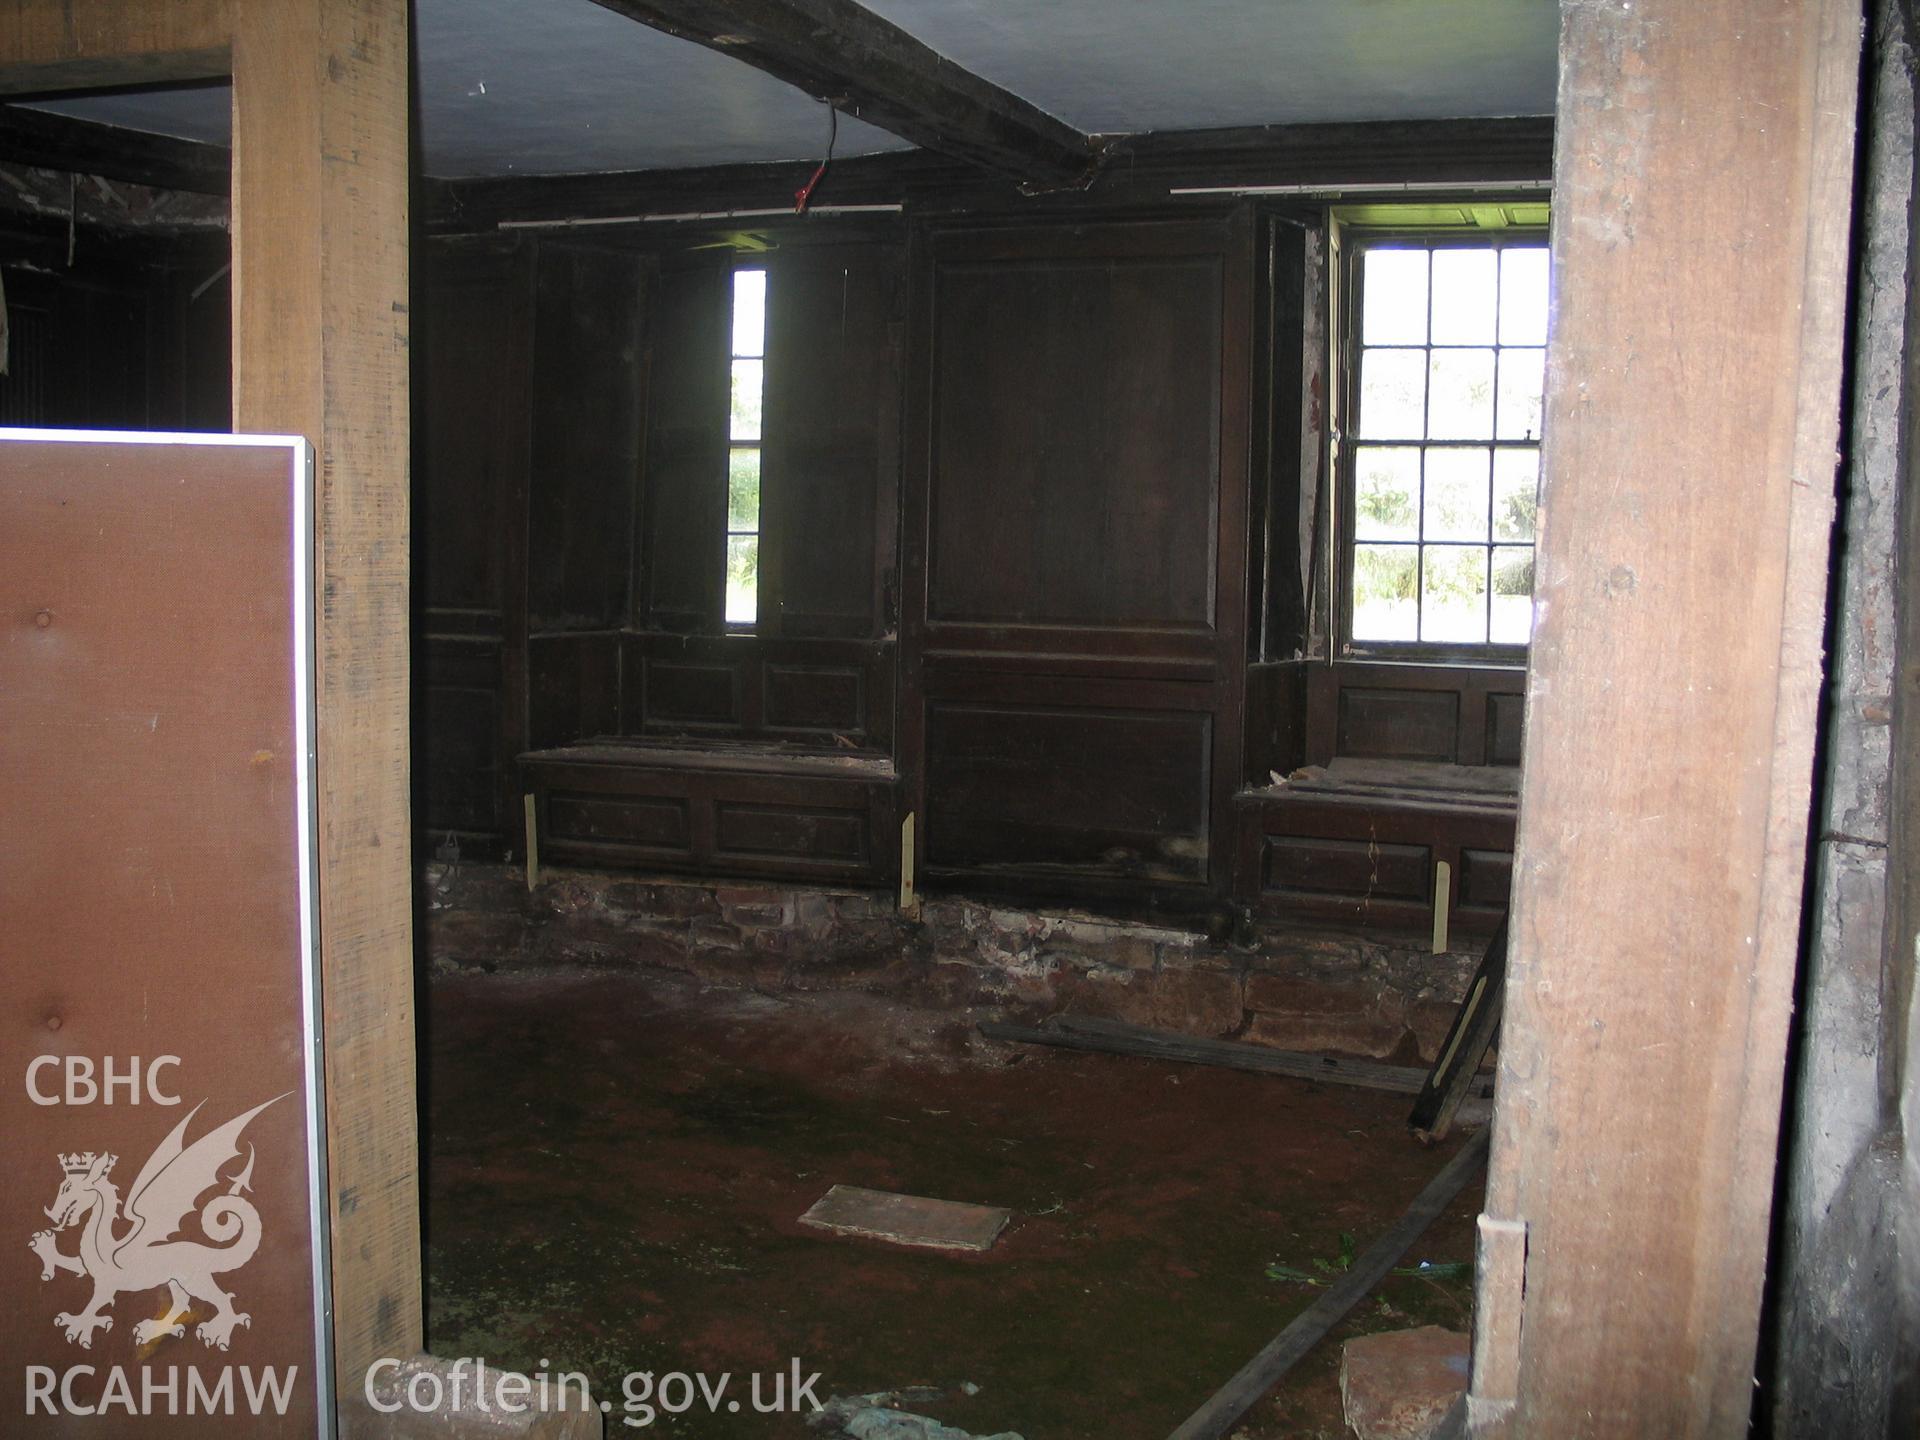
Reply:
x=1834, y=1280
x=1293, y=990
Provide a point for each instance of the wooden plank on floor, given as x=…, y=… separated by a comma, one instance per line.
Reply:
x=1114, y=1037
x=1226, y=1406
x=1456, y=1069
x=907, y=1219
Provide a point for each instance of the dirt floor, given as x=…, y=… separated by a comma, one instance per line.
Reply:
x=617, y=1164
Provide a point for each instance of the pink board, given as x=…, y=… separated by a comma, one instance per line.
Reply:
x=162, y=1246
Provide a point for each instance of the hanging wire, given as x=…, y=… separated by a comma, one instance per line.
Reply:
x=805, y=192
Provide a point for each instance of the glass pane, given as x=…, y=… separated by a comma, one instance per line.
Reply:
x=1523, y=296
x=749, y=312
x=1393, y=394
x=1384, y=577
x=1456, y=494
x=748, y=376
x=1393, y=290
x=1512, y=594
x=743, y=578
x=1516, y=491
x=743, y=490
x=1465, y=289
x=1453, y=600
x=1521, y=372
x=1386, y=498
x=1461, y=407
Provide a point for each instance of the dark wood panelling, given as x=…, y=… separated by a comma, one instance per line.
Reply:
x=685, y=511
x=574, y=687
x=1351, y=869
x=815, y=699
x=1449, y=714
x=80, y=348
x=1106, y=793
x=757, y=812
x=837, y=694
x=471, y=417
x=1275, y=711
x=1505, y=714
x=1376, y=723
x=1486, y=880
x=790, y=831
x=1075, y=453
x=459, y=704
x=471, y=452
x=828, y=499
x=1074, y=530
x=680, y=693
x=587, y=393
x=1370, y=860
x=643, y=822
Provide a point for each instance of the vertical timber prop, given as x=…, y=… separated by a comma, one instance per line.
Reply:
x=320, y=348
x=1702, y=202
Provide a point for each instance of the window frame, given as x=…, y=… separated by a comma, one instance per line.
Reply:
x=728, y=534
x=1353, y=244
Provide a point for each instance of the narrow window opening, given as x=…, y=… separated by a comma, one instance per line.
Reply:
x=748, y=382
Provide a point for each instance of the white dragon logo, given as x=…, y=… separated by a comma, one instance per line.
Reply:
x=145, y=1256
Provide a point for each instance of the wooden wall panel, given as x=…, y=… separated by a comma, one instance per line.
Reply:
x=113, y=344
x=1074, y=529
x=1445, y=714
x=1375, y=723
x=470, y=415
x=815, y=699
x=837, y=694
x=460, y=719
x=1353, y=869
x=584, y=492
x=691, y=695
x=797, y=832
x=685, y=505
x=573, y=684
x=631, y=805
x=1075, y=461
x=1371, y=860
x=832, y=452
x=1102, y=792
x=471, y=458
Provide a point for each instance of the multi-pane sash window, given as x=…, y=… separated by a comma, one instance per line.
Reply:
x=1443, y=463
x=748, y=384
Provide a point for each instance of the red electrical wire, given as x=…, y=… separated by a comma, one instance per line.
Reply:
x=805, y=192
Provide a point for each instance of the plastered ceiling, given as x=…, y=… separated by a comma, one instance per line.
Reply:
x=560, y=86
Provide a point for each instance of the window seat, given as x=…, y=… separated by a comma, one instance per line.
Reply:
x=720, y=806
x=1361, y=840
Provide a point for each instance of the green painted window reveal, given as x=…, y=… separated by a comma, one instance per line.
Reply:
x=1444, y=458
x=747, y=386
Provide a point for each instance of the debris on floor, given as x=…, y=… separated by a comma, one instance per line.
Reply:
x=1398, y=1385
x=873, y=1417
x=907, y=1219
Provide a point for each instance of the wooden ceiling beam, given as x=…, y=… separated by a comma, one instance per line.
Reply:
x=870, y=68
x=62, y=142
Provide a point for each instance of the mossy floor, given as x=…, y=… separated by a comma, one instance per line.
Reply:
x=616, y=1164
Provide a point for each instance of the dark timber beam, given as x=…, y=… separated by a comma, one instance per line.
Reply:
x=870, y=68
x=1139, y=170
x=61, y=142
